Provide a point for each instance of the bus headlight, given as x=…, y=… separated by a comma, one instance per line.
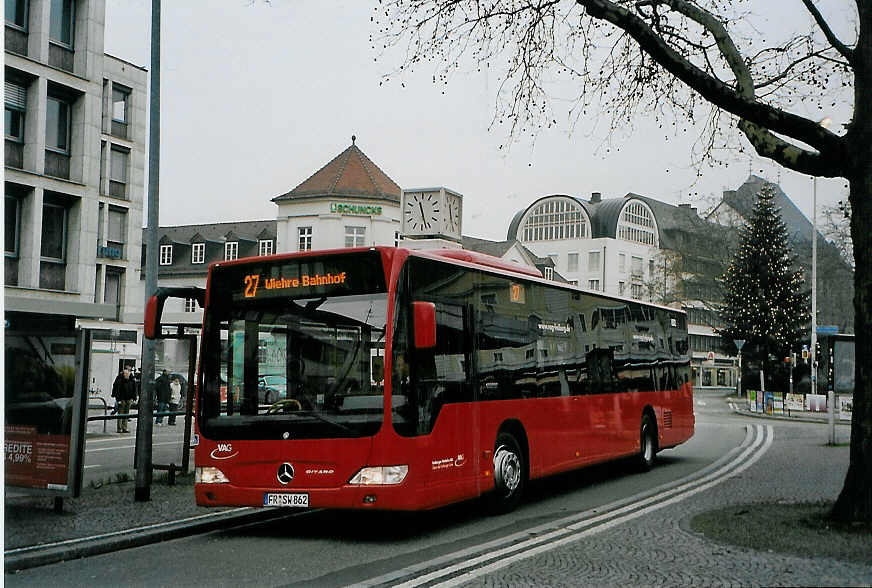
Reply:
x=380, y=475
x=210, y=476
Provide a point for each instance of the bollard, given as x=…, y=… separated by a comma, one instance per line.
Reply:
x=171, y=475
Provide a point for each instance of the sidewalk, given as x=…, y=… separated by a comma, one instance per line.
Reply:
x=740, y=406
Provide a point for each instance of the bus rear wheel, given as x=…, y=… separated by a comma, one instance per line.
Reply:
x=510, y=474
x=648, y=443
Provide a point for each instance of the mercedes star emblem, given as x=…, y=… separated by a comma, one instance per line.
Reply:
x=285, y=473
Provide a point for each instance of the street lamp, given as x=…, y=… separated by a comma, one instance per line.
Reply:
x=824, y=122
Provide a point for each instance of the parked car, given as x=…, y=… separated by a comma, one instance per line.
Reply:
x=271, y=388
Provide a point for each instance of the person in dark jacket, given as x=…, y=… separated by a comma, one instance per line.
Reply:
x=124, y=392
x=162, y=386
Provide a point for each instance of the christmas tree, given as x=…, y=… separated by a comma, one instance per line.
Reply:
x=764, y=301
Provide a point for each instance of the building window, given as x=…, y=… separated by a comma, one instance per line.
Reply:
x=622, y=288
x=11, y=227
x=117, y=229
x=120, y=110
x=396, y=238
x=118, y=159
x=549, y=273
x=16, y=13
x=166, y=255
x=651, y=268
x=231, y=250
x=636, y=224
x=572, y=262
x=593, y=284
x=622, y=262
x=190, y=305
x=198, y=253
x=304, y=235
x=636, y=269
x=57, y=124
x=355, y=236
x=265, y=247
x=53, y=248
x=593, y=261
x=12, y=236
x=15, y=98
x=61, y=23
x=120, y=97
x=552, y=220
x=636, y=291
x=112, y=288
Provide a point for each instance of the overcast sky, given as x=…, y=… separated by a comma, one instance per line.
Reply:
x=258, y=96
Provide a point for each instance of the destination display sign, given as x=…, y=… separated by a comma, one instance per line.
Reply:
x=306, y=277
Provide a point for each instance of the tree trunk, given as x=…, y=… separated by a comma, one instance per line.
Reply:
x=855, y=500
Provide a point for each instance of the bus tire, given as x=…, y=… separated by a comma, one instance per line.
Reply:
x=510, y=474
x=648, y=443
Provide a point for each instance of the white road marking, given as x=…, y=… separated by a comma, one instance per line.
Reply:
x=521, y=545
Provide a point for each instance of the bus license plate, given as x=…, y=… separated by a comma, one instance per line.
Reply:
x=293, y=500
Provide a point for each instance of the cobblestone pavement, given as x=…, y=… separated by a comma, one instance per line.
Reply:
x=660, y=549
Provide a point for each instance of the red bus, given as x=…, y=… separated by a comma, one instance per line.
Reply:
x=408, y=380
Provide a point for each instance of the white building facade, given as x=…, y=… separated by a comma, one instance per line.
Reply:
x=608, y=246
x=349, y=202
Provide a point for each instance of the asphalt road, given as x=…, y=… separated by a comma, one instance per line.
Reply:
x=110, y=454
x=340, y=548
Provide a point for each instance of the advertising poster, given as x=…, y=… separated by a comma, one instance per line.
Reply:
x=777, y=403
x=768, y=402
x=40, y=380
x=794, y=402
x=816, y=402
x=752, y=400
x=846, y=407
x=36, y=460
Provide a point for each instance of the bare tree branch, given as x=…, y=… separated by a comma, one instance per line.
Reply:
x=738, y=101
x=847, y=52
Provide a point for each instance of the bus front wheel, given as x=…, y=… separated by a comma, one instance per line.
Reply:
x=648, y=443
x=510, y=474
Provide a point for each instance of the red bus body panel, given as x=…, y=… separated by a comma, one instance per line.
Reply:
x=453, y=463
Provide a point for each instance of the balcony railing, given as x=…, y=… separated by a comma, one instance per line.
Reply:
x=14, y=153
x=57, y=164
x=16, y=41
x=60, y=57
x=117, y=189
x=119, y=129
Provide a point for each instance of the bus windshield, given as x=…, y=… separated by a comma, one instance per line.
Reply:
x=294, y=366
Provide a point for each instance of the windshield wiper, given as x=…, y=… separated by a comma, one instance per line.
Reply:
x=323, y=419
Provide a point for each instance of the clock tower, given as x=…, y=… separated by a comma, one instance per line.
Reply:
x=432, y=214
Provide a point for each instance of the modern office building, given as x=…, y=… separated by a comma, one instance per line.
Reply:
x=74, y=181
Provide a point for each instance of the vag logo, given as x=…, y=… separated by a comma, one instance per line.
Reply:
x=223, y=451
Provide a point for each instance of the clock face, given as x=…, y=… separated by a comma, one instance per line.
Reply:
x=422, y=212
x=452, y=215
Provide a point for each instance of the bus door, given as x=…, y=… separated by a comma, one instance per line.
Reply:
x=447, y=413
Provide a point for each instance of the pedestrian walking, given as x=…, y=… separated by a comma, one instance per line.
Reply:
x=175, y=399
x=124, y=392
x=162, y=385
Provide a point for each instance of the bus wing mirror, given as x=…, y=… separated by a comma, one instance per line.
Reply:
x=155, y=304
x=424, y=314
